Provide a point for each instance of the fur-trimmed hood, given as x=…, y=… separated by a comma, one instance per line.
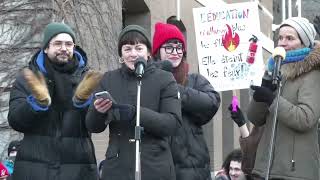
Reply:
x=311, y=62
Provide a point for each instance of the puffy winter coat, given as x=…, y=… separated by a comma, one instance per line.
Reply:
x=56, y=143
x=160, y=117
x=200, y=102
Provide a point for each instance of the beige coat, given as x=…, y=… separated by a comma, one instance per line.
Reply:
x=296, y=152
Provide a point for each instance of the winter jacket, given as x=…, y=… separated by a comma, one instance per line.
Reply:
x=190, y=153
x=160, y=116
x=56, y=143
x=296, y=150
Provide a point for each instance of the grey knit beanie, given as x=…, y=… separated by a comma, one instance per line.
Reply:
x=136, y=28
x=304, y=28
x=54, y=29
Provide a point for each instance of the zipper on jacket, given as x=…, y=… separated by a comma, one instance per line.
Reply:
x=293, y=163
x=58, y=137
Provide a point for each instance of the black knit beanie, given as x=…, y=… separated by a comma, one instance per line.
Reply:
x=136, y=28
x=53, y=29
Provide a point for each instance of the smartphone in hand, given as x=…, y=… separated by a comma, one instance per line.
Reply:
x=104, y=95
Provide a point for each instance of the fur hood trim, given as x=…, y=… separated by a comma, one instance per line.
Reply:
x=293, y=70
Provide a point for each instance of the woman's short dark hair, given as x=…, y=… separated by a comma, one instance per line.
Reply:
x=132, y=38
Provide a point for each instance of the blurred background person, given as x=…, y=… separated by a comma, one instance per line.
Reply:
x=248, y=140
x=231, y=167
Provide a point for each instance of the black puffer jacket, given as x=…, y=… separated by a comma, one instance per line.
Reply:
x=56, y=143
x=200, y=102
x=160, y=118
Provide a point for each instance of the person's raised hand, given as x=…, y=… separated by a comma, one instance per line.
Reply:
x=237, y=116
x=37, y=84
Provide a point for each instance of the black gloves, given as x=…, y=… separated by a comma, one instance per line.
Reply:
x=267, y=82
x=124, y=112
x=263, y=94
x=237, y=116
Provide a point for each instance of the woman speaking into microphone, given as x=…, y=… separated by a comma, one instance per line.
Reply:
x=160, y=112
x=296, y=151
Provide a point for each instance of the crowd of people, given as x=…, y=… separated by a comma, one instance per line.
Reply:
x=53, y=103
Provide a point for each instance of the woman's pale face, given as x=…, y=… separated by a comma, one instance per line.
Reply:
x=130, y=53
x=172, y=52
x=289, y=39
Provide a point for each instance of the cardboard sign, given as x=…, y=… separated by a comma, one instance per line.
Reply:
x=222, y=36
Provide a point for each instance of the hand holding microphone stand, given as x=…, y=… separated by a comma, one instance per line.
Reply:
x=139, y=71
x=278, y=55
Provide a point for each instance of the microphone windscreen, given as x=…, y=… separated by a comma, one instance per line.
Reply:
x=140, y=60
x=166, y=65
x=279, y=51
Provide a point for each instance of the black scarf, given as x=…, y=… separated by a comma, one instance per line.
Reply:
x=61, y=77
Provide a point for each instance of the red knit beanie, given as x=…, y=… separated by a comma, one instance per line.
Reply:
x=3, y=171
x=163, y=33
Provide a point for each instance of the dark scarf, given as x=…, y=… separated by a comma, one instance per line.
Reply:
x=180, y=73
x=61, y=75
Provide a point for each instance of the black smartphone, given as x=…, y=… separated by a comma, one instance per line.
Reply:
x=104, y=95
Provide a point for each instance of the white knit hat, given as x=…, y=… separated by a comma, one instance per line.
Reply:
x=304, y=28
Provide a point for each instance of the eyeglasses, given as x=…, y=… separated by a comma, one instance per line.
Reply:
x=170, y=49
x=58, y=44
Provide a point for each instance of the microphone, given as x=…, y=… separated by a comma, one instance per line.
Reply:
x=139, y=66
x=279, y=54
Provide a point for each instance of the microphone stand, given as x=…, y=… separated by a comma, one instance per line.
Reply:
x=137, y=133
x=274, y=127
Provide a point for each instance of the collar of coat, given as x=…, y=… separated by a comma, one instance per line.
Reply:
x=296, y=69
x=37, y=61
x=41, y=58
